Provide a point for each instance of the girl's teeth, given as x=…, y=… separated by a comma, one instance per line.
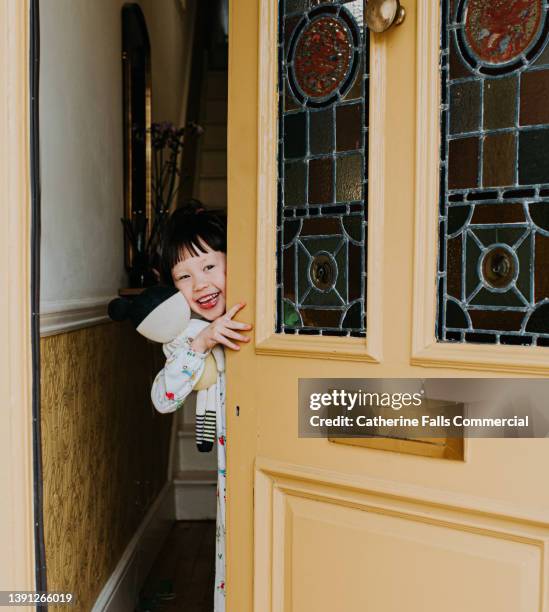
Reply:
x=210, y=301
x=208, y=298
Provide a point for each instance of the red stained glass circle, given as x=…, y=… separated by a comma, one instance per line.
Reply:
x=323, y=57
x=499, y=31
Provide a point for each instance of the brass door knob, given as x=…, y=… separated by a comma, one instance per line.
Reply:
x=380, y=15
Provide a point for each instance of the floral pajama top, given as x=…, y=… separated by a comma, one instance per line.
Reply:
x=171, y=387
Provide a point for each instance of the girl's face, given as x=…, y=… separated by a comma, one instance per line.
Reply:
x=201, y=279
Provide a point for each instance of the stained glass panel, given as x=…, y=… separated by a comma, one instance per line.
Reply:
x=322, y=154
x=494, y=203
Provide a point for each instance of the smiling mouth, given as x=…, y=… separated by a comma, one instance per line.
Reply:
x=208, y=301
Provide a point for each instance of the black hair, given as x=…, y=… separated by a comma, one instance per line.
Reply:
x=188, y=227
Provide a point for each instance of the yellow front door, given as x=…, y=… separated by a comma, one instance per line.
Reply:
x=315, y=525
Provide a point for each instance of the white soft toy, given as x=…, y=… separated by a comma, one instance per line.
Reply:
x=162, y=314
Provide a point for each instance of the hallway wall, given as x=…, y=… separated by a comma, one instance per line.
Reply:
x=104, y=452
x=81, y=137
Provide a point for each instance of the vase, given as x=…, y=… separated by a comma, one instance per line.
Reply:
x=141, y=274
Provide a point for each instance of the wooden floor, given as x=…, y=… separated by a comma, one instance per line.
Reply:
x=185, y=568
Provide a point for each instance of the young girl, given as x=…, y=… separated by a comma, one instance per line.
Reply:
x=194, y=260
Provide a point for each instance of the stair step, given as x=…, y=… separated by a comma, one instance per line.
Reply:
x=213, y=123
x=215, y=97
x=213, y=163
x=214, y=177
x=214, y=110
x=213, y=192
x=215, y=136
x=195, y=495
x=195, y=477
x=215, y=149
x=216, y=84
x=189, y=458
x=186, y=431
x=187, y=417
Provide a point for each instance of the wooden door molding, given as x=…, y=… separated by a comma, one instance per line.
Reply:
x=321, y=347
x=393, y=494
x=426, y=350
x=281, y=488
x=16, y=475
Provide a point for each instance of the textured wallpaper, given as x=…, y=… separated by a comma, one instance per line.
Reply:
x=104, y=448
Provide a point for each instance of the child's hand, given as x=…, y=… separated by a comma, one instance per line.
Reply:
x=219, y=332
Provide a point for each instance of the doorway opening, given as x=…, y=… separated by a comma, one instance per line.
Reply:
x=126, y=482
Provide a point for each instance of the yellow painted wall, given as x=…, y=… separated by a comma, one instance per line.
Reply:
x=104, y=452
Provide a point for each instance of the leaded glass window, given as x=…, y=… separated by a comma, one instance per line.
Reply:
x=322, y=168
x=493, y=279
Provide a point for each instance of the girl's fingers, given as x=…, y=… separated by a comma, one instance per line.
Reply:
x=237, y=325
x=232, y=334
x=231, y=313
x=229, y=344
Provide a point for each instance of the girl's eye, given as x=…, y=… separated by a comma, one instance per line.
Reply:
x=184, y=277
x=210, y=266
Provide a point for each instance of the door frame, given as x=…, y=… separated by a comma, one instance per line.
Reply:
x=17, y=562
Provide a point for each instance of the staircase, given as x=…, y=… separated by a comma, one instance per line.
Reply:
x=211, y=171
x=195, y=476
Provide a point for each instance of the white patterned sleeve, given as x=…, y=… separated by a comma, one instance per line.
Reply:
x=177, y=379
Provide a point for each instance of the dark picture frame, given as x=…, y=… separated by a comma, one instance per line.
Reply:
x=137, y=118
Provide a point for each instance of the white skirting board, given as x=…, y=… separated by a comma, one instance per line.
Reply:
x=121, y=590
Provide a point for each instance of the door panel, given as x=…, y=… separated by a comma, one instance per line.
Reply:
x=485, y=518
x=338, y=548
